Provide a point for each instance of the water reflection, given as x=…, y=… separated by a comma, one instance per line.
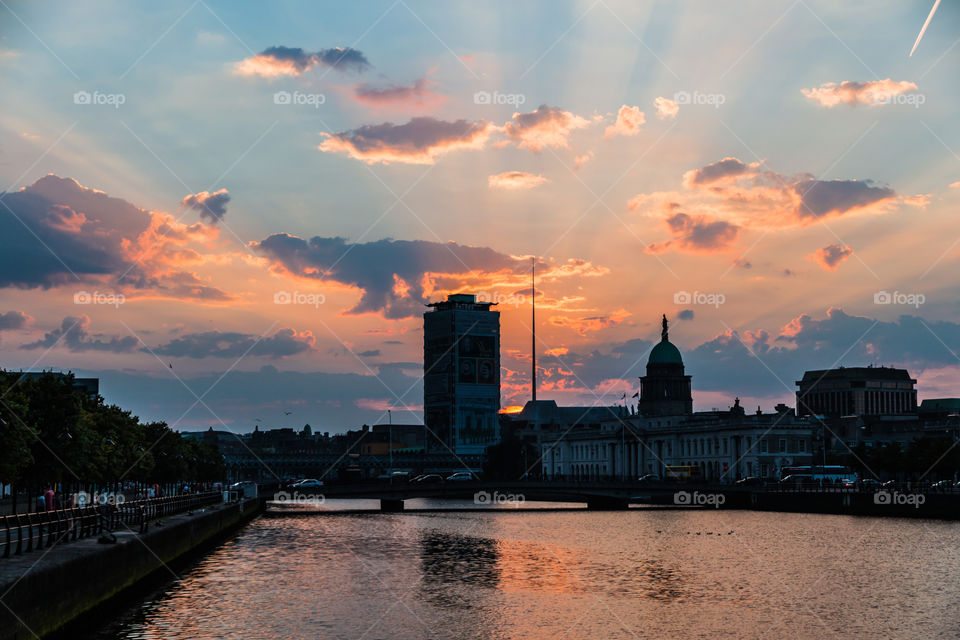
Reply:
x=573, y=575
x=452, y=565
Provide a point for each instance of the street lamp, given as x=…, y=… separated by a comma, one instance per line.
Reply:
x=390, y=443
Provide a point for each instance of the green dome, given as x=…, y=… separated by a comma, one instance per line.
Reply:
x=665, y=353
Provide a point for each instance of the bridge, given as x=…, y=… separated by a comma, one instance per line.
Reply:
x=596, y=495
x=899, y=500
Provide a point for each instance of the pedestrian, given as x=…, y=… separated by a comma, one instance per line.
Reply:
x=49, y=497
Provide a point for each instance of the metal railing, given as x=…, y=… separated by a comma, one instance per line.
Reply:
x=23, y=533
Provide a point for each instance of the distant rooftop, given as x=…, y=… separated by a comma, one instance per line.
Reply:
x=462, y=301
x=870, y=373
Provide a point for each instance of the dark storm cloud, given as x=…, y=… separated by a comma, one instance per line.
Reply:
x=390, y=272
x=55, y=231
x=13, y=320
x=228, y=344
x=74, y=335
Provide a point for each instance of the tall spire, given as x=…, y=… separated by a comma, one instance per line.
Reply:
x=533, y=325
x=663, y=332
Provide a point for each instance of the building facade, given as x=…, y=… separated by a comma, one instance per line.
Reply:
x=461, y=382
x=848, y=391
x=664, y=437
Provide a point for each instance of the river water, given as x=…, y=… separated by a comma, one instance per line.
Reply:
x=650, y=573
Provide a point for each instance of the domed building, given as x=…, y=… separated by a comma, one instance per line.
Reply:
x=665, y=390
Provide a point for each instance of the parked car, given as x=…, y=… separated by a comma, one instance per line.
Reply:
x=461, y=476
x=428, y=478
x=863, y=483
x=309, y=483
x=749, y=481
x=650, y=477
x=942, y=484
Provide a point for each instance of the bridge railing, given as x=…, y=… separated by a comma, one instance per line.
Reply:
x=23, y=533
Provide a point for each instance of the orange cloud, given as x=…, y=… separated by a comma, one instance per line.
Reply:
x=697, y=234
x=591, y=323
x=515, y=180
x=666, y=108
x=746, y=195
x=629, y=121
x=848, y=92
x=830, y=256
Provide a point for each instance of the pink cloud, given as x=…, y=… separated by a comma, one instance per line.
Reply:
x=629, y=121
x=418, y=94
x=848, y=92
x=543, y=127
x=515, y=180
x=666, y=108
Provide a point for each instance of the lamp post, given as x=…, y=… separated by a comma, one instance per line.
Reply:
x=390, y=443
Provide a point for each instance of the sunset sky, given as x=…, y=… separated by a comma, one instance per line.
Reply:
x=234, y=212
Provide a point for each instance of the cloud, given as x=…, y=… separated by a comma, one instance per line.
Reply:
x=717, y=172
x=56, y=232
x=666, y=108
x=376, y=267
x=515, y=180
x=212, y=206
x=848, y=92
x=397, y=277
x=74, y=336
x=229, y=344
x=419, y=93
x=830, y=256
x=370, y=353
x=543, y=127
x=685, y=314
x=748, y=196
x=590, y=323
x=13, y=320
x=697, y=234
x=294, y=61
x=419, y=141
x=579, y=161
x=629, y=121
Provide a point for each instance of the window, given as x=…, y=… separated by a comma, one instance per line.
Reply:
x=783, y=445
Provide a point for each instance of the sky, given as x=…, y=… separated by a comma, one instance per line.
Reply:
x=234, y=213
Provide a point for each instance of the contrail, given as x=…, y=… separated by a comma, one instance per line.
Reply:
x=925, y=25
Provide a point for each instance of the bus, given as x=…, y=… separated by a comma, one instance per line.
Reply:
x=819, y=474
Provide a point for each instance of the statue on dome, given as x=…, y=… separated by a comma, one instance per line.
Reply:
x=663, y=331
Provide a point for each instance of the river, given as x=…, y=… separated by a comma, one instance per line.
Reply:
x=650, y=573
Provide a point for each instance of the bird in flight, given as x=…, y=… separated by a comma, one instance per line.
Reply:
x=926, y=24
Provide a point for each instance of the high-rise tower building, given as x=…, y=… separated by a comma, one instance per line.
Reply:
x=461, y=381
